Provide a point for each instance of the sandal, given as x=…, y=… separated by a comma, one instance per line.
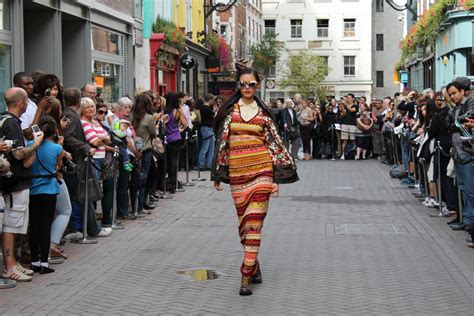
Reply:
x=17, y=275
x=58, y=253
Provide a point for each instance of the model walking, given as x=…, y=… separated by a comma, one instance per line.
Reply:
x=251, y=157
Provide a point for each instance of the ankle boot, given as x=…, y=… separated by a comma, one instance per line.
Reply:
x=257, y=277
x=246, y=286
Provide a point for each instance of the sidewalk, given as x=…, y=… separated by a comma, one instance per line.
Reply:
x=346, y=239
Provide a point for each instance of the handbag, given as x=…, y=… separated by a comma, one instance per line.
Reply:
x=157, y=146
x=293, y=133
x=95, y=192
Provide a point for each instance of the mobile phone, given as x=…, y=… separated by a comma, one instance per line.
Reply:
x=47, y=92
x=36, y=130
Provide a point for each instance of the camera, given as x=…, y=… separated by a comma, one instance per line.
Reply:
x=47, y=92
x=69, y=166
x=36, y=130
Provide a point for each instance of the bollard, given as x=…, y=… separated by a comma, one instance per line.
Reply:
x=164, y=195
x=115, y=226
x=187, y=183
x=85, y=239
x=198, y=168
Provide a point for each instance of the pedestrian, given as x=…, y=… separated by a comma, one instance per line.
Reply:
x=206, y=153
x=251, y=157
x=305, y=117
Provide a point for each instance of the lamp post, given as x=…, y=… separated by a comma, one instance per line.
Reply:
x=408, y=5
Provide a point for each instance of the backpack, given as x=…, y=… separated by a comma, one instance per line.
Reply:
x=5, y=180
x=350, y=151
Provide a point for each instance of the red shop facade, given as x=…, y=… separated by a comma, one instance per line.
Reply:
x=164, y=65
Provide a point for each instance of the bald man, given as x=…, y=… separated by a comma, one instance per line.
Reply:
x=15, y=189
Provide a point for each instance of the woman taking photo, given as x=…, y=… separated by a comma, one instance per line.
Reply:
x=252, y=158
x=306, y=117
x=43, y=195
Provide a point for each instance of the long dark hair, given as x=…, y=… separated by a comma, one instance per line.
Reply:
x=47, y=82
x=141, y=107
x=234, y=98
x=172, y=102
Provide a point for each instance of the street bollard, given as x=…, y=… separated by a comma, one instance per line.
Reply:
x=85, y=239
x=115, y=226
x=187, y=183
x=196, y=136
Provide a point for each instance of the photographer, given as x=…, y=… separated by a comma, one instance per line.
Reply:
x=462, y=152
x=15, y=188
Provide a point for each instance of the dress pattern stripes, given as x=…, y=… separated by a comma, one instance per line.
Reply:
x=251, y=179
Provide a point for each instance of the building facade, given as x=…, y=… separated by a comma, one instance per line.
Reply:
x=79, y=41
x=387, y=32
x=338, y=30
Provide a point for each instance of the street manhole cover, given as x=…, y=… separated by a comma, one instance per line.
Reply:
x=369, y=229
x=199, y=275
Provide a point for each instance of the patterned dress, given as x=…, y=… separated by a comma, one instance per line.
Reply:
x=251, y=179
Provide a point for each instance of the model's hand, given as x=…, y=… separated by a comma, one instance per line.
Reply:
x=218, y=186
x=275, y=190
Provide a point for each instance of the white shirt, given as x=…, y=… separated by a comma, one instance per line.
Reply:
x=187, y=115
x=291, y=114
x=27, y=117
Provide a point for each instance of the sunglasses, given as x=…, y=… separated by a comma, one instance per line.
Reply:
x=100, y=112
x=247, y=84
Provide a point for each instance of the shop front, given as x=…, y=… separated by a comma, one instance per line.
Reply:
x=454, y=48
x=164, y=65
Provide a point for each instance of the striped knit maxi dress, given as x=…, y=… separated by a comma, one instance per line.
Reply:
x=251, y=178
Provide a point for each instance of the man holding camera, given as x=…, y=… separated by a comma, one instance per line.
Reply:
x=15, y=187
x=462, y=150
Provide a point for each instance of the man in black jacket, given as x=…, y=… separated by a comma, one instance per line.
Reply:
x=75, y=143
x=462, y=151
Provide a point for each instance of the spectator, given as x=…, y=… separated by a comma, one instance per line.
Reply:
x=144, y=124
x=43, y=195
x=364, y=124
x=50, y=85
x=462, y=152
x=89, y=91
x=290, y=127
x=173, y=137
x=378, y=113
x=76, y=144
x=348, y=122
x=316, y=133
x=306, y=119
x=206, y=152
x=15, y=189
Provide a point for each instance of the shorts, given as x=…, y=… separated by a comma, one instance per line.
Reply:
x=16, y=212
x=349, y=132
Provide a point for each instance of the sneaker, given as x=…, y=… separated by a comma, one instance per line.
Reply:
x=17, y=275
x=26, y=271
x=104, y=232
x=73, y=236
x=428, y=202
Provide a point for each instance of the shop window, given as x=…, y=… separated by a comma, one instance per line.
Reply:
x=5, y=24
x=108, y=78
x=5, y=73
x=106, y=42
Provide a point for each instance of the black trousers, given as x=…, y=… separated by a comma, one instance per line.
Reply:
x=172, y=159
x=305, y=131
x=42, y=207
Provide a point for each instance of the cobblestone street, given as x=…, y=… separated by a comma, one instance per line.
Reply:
x=345, y=239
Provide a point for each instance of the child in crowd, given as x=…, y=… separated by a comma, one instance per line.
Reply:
x=120, y=128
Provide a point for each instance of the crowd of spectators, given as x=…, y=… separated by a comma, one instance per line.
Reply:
x=51, y=137
x=427, y=138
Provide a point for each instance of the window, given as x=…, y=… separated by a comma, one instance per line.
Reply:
x=296, y=28
x=379, y=42
x=223, y=30
x=325, y=60
x=379, y=79
x=5, y=73
x=349, y=27
x=106, y=42
x=272, y=70
x=269, y=26
x=469, y=62
x=323, y=27
x=138, y=9
x=111, y=77
x=379, y=6
x=5, y=15
x=349, y=65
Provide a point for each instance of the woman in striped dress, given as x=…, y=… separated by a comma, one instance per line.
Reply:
x=251, y=157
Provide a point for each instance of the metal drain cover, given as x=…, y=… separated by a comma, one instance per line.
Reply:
x=369, y=229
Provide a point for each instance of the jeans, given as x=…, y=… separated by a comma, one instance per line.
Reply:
x=465, y=178
x=146, y=162
x=122, y=191
x=63, y=213
x=206, y=153
x=406, y=154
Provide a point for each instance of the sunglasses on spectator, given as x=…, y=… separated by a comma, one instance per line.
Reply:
x=100, y=112
x=248, y=84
